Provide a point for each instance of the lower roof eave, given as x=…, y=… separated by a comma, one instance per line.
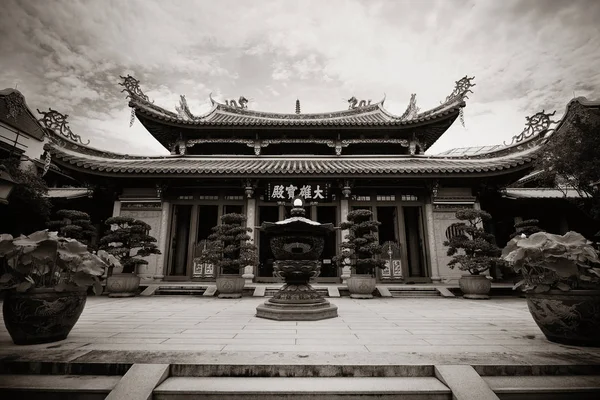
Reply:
x=378, y=174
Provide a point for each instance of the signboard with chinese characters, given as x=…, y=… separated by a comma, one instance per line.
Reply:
x=288, y=191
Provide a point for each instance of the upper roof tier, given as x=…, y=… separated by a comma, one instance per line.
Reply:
x=425, y=126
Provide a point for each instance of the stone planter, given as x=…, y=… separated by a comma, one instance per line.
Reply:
x=475, y=286
x=122, y=285
x=42, y=315
x=567, y=317
x=361, y=286
x=230, y=286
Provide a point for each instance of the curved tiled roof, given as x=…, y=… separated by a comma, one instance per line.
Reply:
x=224, y=115
x=307, y=165
x=230, y=115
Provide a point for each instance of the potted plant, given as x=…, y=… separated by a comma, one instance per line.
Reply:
x=473, y=250
x=129, y=241
x=561, y=279
x=74, y=224
x=46, y=281
x=360, y=251
x=230, y=251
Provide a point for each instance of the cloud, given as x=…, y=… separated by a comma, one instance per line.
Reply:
x=525, y=56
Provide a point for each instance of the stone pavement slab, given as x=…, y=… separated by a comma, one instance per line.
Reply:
x=393, y=330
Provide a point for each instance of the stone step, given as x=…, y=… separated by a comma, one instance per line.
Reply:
x=545, y=387
x=414, y=292
x=181, y=290
x=34, y=387
x=301, y=388
x=270, y=292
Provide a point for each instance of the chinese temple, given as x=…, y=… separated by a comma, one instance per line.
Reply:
x=235, y=159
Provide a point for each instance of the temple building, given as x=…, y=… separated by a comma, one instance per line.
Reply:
x=234, y=159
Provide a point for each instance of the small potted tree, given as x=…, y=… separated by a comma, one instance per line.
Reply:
x=129, y=241
x=561, y=279
x=473, y=250
x=230, y=251
x=46, y=280
x=361, y=251
x=73, y=224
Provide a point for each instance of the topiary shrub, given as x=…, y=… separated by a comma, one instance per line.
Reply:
x=527, y=228
x=479, y=251
x=362, y=246
x=228, y=248
x=128, y=234
x=73, y=224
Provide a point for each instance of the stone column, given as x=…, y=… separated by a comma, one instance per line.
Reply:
x=116, y=208
x=162, y=241
x=248, y=274
x=435, y=268
x=344, y=209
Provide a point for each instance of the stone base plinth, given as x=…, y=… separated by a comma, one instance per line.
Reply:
x=296, y=312
x=229, y=296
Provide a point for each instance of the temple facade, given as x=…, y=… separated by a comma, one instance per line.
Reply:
x=234, y=159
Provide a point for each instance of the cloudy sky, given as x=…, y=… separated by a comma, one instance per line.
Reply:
x=526, y=55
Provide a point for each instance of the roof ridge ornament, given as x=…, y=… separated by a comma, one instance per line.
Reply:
x=132, y=87
x=57, y=123
x=412, y=110
x=461, y=88
x=352, y=103
x=242, y=103
x=183, y=110
x=537, y=125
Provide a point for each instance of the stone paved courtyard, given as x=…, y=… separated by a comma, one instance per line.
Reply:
x=500, y=328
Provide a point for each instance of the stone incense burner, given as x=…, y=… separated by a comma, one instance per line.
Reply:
x=297, y=244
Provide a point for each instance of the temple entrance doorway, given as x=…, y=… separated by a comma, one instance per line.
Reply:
x=415, y=251
x=190, y=225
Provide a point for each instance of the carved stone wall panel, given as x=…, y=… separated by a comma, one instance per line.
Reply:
x=152, y=218
x=441, y=222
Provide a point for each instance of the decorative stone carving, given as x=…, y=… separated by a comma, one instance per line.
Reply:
x=536, y=125
x=461, y=88
x=241, y=103
x=352, y=103
x=412, y=110
x=132, y=87
x=183, y=110
x=47, y=161
x=15, y=103
x=57, y=123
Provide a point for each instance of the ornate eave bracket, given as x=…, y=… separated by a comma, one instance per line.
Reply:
x=57, y=123
x=461, y=88
x=132, y=87
x=536, y=125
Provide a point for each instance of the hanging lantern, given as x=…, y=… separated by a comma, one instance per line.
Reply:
x=7, y=184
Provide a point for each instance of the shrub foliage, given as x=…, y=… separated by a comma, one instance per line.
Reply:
x=128, y=234
x=228, y=248
x=478, y=251
x=362, y=246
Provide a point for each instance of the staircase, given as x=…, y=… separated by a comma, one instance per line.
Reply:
x=48, y=380
x=413, y=291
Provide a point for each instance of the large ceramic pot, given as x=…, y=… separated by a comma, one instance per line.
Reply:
x=122, y=285
x=42, y=315
x=361, y=286
x=230, y=286
x=475, y=286
x=567, y=317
